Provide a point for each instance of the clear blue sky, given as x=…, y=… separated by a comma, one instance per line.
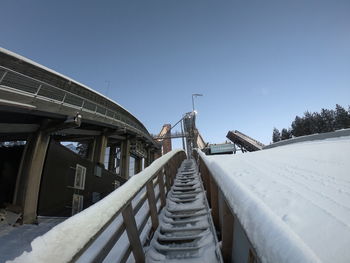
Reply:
x=258, y=63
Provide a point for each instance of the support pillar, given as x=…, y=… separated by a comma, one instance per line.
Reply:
x=28, y=184
x=99, y=149
x=148, y=158
x=138, y=165
x=91, y=148
x=125, y=158
x=112, y=157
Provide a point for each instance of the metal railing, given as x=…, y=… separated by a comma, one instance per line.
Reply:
x=172, y=135
x=39, y=90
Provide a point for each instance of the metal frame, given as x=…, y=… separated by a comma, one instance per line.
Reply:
x=39, y=90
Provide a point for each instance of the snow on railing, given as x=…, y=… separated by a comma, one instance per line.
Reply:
x=236, y=210
x=69, y=240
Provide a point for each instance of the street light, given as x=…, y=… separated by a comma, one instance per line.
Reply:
x=195, y=95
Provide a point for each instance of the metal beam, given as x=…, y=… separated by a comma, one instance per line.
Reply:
x=81, y=132
x=18, y=128
x=16, y=104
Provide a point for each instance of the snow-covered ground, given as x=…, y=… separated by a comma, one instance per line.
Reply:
x=64, y=240
x=14, y=240
x=293, y=201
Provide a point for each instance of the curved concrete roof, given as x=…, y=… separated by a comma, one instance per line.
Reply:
x=27, y=67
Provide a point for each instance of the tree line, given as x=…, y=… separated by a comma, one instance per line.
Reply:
x=316, y=122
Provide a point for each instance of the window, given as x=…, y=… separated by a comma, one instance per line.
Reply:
x=80, y=173
x=77, y=203
x=98, y=171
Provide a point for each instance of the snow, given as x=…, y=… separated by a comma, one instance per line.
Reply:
x=293, y=201
x=63, y=241
x=194, y=233
x=15, y=240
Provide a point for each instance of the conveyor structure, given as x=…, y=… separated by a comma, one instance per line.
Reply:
x=245, y=142
x=186, y=231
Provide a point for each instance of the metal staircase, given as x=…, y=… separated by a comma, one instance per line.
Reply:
x=186, y=231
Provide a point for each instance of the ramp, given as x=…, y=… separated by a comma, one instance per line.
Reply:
x=185, y=231
x=244, y=141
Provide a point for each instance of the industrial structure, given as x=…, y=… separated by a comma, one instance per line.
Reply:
x=244, y=142
x=41, y=108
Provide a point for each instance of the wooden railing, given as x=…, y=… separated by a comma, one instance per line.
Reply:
x=225, y=221
x=164, y=177
x=118, y=219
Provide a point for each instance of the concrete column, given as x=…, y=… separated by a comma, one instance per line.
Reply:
x=112, y=156
x=151, y=157
x=138, y=165
x=99, y=149
x=91, y=149
x=28, y=186
x=125, y=158
x=148, y=158
x=156, y=155
x=167, y=147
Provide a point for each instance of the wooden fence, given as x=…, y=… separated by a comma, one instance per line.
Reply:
x=235, y=245
x=164, y=177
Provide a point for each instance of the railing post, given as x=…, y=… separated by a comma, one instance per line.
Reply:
x=133, y=235
x=206, y=177
x=161, y=189
x=167, y=178
x=152, y=205
x=227, y=234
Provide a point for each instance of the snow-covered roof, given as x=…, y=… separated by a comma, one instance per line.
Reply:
x=293, y=201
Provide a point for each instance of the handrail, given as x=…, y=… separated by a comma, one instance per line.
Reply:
x=98, y=217
x=223, y=216
x=228, y=212
x=41, y=90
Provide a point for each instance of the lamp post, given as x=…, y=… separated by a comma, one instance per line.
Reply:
x=195, y=95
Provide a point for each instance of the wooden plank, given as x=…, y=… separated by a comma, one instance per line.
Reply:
x=161, y=190
x=143, y=223
x=155, y=181
x=152, y=205
x=102, y=254
x=214, y=202
x=204, y=172
x=227, y=234
x=167, y=179
x=140, y=203
x=93, y=238
x=126, y=255
x=133, y=235
x=251, y=257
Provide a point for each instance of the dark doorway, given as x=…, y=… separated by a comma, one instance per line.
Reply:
x=10, y=159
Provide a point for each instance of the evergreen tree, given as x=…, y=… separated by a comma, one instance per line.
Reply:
x=276, y=136
x=286, y=134
x=82, y=149
x=308, y=124
x=297, y=127
x=342, y=118
x=327, y=117
x=318, y=122
x=311, y=123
